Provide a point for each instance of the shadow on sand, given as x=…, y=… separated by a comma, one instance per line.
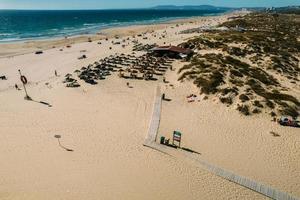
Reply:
x=40, y=102
x=58, y=137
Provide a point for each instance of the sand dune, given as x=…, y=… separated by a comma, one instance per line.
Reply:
x=105, y=127
x=225, y=138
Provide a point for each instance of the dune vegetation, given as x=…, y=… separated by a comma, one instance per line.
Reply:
x=253, y=64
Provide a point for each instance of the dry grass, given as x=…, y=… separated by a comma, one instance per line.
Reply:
x=268, y=46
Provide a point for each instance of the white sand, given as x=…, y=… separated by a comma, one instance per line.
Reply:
x=106, y=125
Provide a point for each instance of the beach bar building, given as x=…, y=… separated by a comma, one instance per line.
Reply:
x=171, y=51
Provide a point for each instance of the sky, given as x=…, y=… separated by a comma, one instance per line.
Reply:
x=119, y=4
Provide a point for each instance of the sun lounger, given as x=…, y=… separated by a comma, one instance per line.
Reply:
x=3, y=77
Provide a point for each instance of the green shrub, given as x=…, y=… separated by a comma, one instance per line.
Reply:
x=226, y=100
x=258, y=104
x=209, y=85
x=270, y=104
x=273, y=114
x=236, y=73
x=244, y=98
x=226, y=91
x=244, y=109
x=256, y=111
x=290, y=111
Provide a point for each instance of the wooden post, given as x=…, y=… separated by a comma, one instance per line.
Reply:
x=27, y=97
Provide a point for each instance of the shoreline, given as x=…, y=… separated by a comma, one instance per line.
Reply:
x=16, y=48
x=105, y=124
x=97, y=30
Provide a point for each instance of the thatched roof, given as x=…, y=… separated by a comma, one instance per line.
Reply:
x=172, y=49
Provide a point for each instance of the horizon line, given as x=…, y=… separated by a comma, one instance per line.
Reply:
x=142, y=8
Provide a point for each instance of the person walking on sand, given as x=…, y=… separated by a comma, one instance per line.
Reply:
x=16, y=86
x=164, y=80
x=55, y=72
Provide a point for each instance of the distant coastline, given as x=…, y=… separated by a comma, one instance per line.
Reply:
x=15, y=48
x=51, y=26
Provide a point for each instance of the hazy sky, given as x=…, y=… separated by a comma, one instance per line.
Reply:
x=106, y=4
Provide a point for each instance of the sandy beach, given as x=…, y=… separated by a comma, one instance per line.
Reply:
x=19, y=48
x=103, y=127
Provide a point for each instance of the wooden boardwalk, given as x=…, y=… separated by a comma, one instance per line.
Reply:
x=155, y=118
x=150, y=142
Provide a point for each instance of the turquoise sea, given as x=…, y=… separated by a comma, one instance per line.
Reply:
x=18, y=25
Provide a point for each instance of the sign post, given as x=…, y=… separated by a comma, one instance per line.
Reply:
x=24, y=82
x=177, y=137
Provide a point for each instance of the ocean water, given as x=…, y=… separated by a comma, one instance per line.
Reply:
x=18, y=25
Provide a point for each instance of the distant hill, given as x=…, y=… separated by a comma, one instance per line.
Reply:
x=284, y=10
x=288, y=10
x=200, y=7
